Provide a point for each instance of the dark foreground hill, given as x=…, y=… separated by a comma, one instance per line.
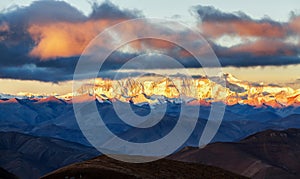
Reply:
x=104, y=167
x=6, y=175
x=31, y=157
x=268, y=154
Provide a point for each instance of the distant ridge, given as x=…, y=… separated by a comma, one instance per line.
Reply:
x=51, y=99
x=11, y=100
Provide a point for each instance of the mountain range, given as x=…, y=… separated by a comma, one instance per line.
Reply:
x=198, y=90
x=36, y=129
x=53, y=117
x=39, y=130
x=201, y=90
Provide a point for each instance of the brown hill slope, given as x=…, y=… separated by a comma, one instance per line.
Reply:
x=104, y=167
x=268, y=154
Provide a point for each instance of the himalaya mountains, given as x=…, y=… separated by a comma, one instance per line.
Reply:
x=251, y=111
x=154, y=89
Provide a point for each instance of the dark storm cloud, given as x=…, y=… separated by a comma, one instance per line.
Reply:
x=41, y=12
x=260, y=53
x=31, y=72
x=61, y=69
x=270, y=47
x=44, y=12
x=247, y=61
x=215, y=23
x=108, y=10
x=16, y=42
x=209, y=13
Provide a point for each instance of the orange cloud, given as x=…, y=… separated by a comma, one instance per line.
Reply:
x=242, y=28
x=155, y=44
x=65, y=39
x=264, y=47
x=295, y=24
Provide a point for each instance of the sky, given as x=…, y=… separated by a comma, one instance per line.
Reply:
x=41, y=41
x=257, y=8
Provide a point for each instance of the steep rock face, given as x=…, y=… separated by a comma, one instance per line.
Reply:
x=104, y=167
x=30, y=157
x=268, y=154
